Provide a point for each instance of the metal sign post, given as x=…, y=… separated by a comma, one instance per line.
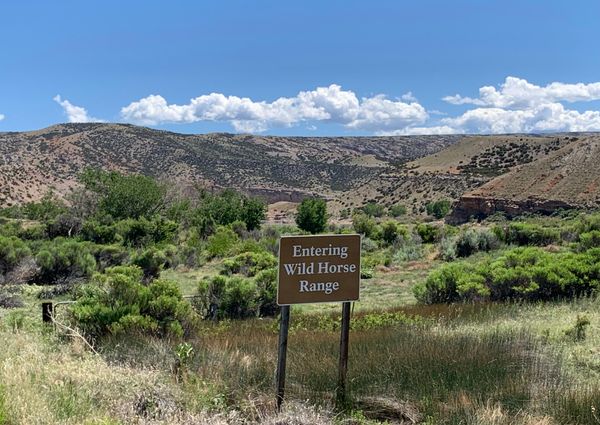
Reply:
x=314, y=269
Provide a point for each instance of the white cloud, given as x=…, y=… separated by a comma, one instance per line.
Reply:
x=329, y=104
x=408, y=97
x=420, y=131
x=75, y=113
x=514, y=106
x=517, y=93
x=1, y=117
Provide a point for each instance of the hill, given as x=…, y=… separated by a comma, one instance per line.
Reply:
x=566, y=177
x=279, y=168
x=510, y=173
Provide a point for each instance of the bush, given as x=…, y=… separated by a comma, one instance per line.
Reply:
x=528, y=234
x=64, y=260
x=391, y=232
x=266, y=282
x=408, y=249
x=151, y=261
x=441, y=286
x=448, y=249
x=109, y=255
x=589, y=240
x=12, y=252
x=66, y=225
x=222, y=242
x=474, y=240
x=520, y=274
x=46, y=210
x=364, y=225
x=312, y=215
x=372, y=209
x=234, y=297
x=117, y=302
x=97, y=232
x=248, y=263
x=397, y=210
x=438, y=209
x=429, y=233
x=144, y=231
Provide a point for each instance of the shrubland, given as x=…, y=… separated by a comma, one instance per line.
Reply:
x=493, y=322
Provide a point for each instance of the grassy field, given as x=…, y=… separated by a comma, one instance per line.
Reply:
x=471, y=364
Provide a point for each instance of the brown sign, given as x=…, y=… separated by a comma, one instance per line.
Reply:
x=314, y=269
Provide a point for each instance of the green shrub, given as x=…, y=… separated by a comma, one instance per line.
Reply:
x=438, y=209
x=235, y=297
x=429, y=233
x=222, y=242
x=123, y=197
x=397, y=210
x=474, y=240
x=372, y=209
x=227, y=207
x=109, y=255
x=143, y=231
x=45, y=210
x=266, y=283
x=589, y=240
x=97, y=232
x=117, y=302
x=312, y=215
x=391, y=232
x=441, y=286
x=520, y=274
x=528, y=234
x=151, y=261
x=364, y=225
x=248, y=263
x=12, y=252
x=62, y=260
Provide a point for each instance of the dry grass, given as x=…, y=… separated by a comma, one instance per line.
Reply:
x=462, y=364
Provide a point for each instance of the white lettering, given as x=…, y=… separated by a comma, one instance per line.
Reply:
x=326, y=287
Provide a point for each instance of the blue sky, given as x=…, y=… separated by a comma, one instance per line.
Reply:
x=337, y=67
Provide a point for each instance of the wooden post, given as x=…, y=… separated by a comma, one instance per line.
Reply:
x=284, y=327
x=343, y=368
x=47, y=312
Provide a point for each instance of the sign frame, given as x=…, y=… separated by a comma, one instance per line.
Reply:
x=321, y=236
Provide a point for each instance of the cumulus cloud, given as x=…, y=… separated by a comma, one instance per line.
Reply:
x=75, y=113
x=519, y=106
x=514, y=106
x=328, y=104
x=517, y=93
x=1, y=117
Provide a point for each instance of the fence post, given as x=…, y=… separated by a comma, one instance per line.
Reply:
x=47, y=312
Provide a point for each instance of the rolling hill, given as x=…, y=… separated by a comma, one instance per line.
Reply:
x=484, y=174
x=278, y=168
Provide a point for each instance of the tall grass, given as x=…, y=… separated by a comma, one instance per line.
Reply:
x=450, y=364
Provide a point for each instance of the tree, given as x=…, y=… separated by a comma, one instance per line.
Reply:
x=312, y=215
x=253, y=213
x=122, y=196
x=438, y=209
